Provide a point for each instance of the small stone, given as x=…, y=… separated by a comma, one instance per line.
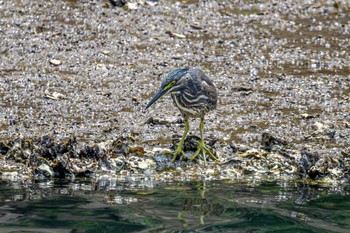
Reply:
x=174, y=34
x=54, y=95
x=152, y=2
x=106, y=52
x=347, y=125
x=101, y=66
x=305, y=116
x=131, y=6
x=319, y=126
x=55, y=62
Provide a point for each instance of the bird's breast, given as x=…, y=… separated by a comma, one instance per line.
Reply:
x=185, y=107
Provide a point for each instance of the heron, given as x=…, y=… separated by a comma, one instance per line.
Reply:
x=194, y=94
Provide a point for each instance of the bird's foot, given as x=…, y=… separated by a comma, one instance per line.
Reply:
x=176, y=153
x=203, y=148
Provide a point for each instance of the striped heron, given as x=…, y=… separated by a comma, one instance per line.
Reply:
x=194, y=94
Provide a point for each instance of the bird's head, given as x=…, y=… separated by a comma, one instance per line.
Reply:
x=172, y=83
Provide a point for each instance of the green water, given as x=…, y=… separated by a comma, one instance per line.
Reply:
x=225, y=206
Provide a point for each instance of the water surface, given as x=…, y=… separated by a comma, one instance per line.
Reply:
x=225, y=206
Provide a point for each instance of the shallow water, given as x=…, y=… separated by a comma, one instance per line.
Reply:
x=224, y=206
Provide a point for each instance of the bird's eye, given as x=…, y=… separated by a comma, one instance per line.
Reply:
x=172, y=83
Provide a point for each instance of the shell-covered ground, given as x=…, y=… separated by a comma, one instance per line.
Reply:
x=75, y=77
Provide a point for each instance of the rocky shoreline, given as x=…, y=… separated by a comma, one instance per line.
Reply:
x=75, y=77
x=45, y=159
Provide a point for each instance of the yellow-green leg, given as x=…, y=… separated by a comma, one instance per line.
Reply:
x=179, y=150
x=201, y=147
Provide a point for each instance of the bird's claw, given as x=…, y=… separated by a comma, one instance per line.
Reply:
x=202, y=148
x=176, y=153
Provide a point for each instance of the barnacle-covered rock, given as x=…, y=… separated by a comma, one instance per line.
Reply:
x=4, y=147
x=44, y=171
x=47, y=157
x=139, y=163
x=271, y=143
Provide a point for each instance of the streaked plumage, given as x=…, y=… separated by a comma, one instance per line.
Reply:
x=194, y=94
x=198, y=95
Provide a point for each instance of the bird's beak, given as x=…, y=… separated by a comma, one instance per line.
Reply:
x=159, y=94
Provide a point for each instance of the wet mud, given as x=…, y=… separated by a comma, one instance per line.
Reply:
x=75, y=77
